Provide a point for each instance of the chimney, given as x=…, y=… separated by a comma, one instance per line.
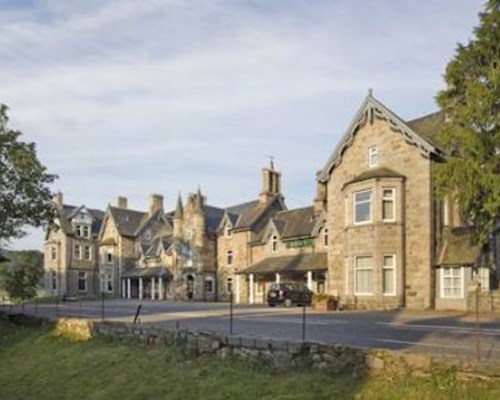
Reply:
x=271, y=183
x=155, y=203
x=121, y=202
x=58, y=199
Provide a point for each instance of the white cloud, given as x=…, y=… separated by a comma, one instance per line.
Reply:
x=126, y=97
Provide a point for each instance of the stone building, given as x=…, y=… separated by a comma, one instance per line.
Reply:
x=70, y=250
x=391, y=240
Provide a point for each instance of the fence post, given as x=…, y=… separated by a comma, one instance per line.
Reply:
x=231, y=312
x=303, y=322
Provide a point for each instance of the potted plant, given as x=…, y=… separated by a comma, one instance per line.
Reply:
x=324, y=302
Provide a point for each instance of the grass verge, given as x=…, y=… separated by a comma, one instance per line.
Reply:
x=37, y=364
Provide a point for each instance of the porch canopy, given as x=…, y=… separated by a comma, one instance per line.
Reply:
x=288, y=264
x=161, y=272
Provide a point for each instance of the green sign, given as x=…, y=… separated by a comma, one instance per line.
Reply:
x=300, y=243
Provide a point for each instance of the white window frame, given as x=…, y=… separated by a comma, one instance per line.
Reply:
x=78, y=230
x=373, y=156
x=392, y=199
x=443, y=278
x=77, y=254
x=356, y=269
x=107, y=283
x=84, y=279
x=229, y=257
x=86, y=231
x=354, y=202
x=89, y=258
x=388, y=267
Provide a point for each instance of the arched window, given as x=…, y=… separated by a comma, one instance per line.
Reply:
x=325, y=237
x=229, y=257
x=274, y=243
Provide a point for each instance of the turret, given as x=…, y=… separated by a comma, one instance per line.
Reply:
x=199, y=220
x=179, y=219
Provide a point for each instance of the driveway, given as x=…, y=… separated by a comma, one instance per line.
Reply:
x=438, y=333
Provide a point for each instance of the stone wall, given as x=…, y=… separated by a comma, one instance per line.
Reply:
x=488, y=302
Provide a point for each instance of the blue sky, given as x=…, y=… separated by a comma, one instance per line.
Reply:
x=135, y=97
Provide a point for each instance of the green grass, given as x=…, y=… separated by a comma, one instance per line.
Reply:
x=36, y=364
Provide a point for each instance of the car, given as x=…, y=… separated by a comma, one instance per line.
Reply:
x=288, y=294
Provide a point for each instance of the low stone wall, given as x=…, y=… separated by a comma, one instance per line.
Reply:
x=279, y=354
x=488, y=302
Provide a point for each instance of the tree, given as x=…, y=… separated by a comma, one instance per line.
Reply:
x=25, y=198
x=470, y=135
x=21, y=276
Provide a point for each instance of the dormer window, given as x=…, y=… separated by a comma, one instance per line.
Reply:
x=373, y=157
x=274, y=243
x=228, y=231
x=86, y=231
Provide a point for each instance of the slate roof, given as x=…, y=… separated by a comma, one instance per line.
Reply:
x=147, y=272
x=284, y=264
x=458, y=248
x=428, y=126
x=298, y=222
x=246, y=215
x=67, y=212
x=376, y=173
x=127, y=221
x=213, y=216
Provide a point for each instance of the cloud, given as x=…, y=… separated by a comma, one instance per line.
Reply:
x=126, y=97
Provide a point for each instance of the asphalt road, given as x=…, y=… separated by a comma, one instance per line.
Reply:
x=438, y=333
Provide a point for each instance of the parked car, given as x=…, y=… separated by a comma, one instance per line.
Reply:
x=288, y=294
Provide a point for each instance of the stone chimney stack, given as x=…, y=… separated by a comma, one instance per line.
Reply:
x=58, y=199
x=121, y=202
x=155, y=203
x=271, y=183
x=320, y=199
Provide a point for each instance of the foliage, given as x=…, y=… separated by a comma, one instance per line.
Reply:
x=25, y=196
x=109, y=369
x=21, y=276
x=470, y=136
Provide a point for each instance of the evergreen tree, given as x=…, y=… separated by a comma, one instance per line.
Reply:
x=470, y=136
x=25, y=198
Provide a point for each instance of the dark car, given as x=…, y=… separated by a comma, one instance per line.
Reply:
x=288, y=294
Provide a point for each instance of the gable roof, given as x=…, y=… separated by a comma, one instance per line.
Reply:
x=247, y=215
x=127, y=221
x=458, y=248
x=429, y=125
x=284, y=264
x=369, y=109
x=68, y=211
x=294, y=223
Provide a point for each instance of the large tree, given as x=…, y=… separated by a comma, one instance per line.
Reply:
x=25, y=198
x=470, y=136
x=22, y=274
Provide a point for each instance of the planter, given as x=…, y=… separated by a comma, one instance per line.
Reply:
x=329, y=303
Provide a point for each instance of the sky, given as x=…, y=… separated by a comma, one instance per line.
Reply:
x=160, y=96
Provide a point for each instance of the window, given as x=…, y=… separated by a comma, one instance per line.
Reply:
x=78, y=252
x=109, y=257
x=452, y=282
x=107, y=281
x=274, y=243
x=229, y=285
x=228, y=232
x=362, y=207
x=363, y=275
x=229, y=257
x=372, y=157
x=482, y=276
x=86, y=231
x=53, y=253
x=209, y=285
x=389, y=275
x=78, y=231
x=325, y=237
x=53, y=280
x=388, y=209
x=87, y=255
x=82, y=281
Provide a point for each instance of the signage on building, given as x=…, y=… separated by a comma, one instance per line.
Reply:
x=299, y=243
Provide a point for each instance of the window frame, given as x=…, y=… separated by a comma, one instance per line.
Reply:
x=211, y=282
x=82, y=279
x=228, y=231
x=109, y=257
x=229, y=257
x=460, y=277
x=356, y=269
x=89, y=248
x=392, y=268
x=274, y=243
x=86, y=231
x=53, y=252
x=77, y=254
x=370, y=203
x=325, y=237
x=387, y=199
x=78, y=230
x=373, y=153
x=229, y=284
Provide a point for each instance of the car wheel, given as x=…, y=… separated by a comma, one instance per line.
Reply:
x=288, y=302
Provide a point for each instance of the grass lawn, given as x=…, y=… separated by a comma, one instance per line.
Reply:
x=36, y=364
